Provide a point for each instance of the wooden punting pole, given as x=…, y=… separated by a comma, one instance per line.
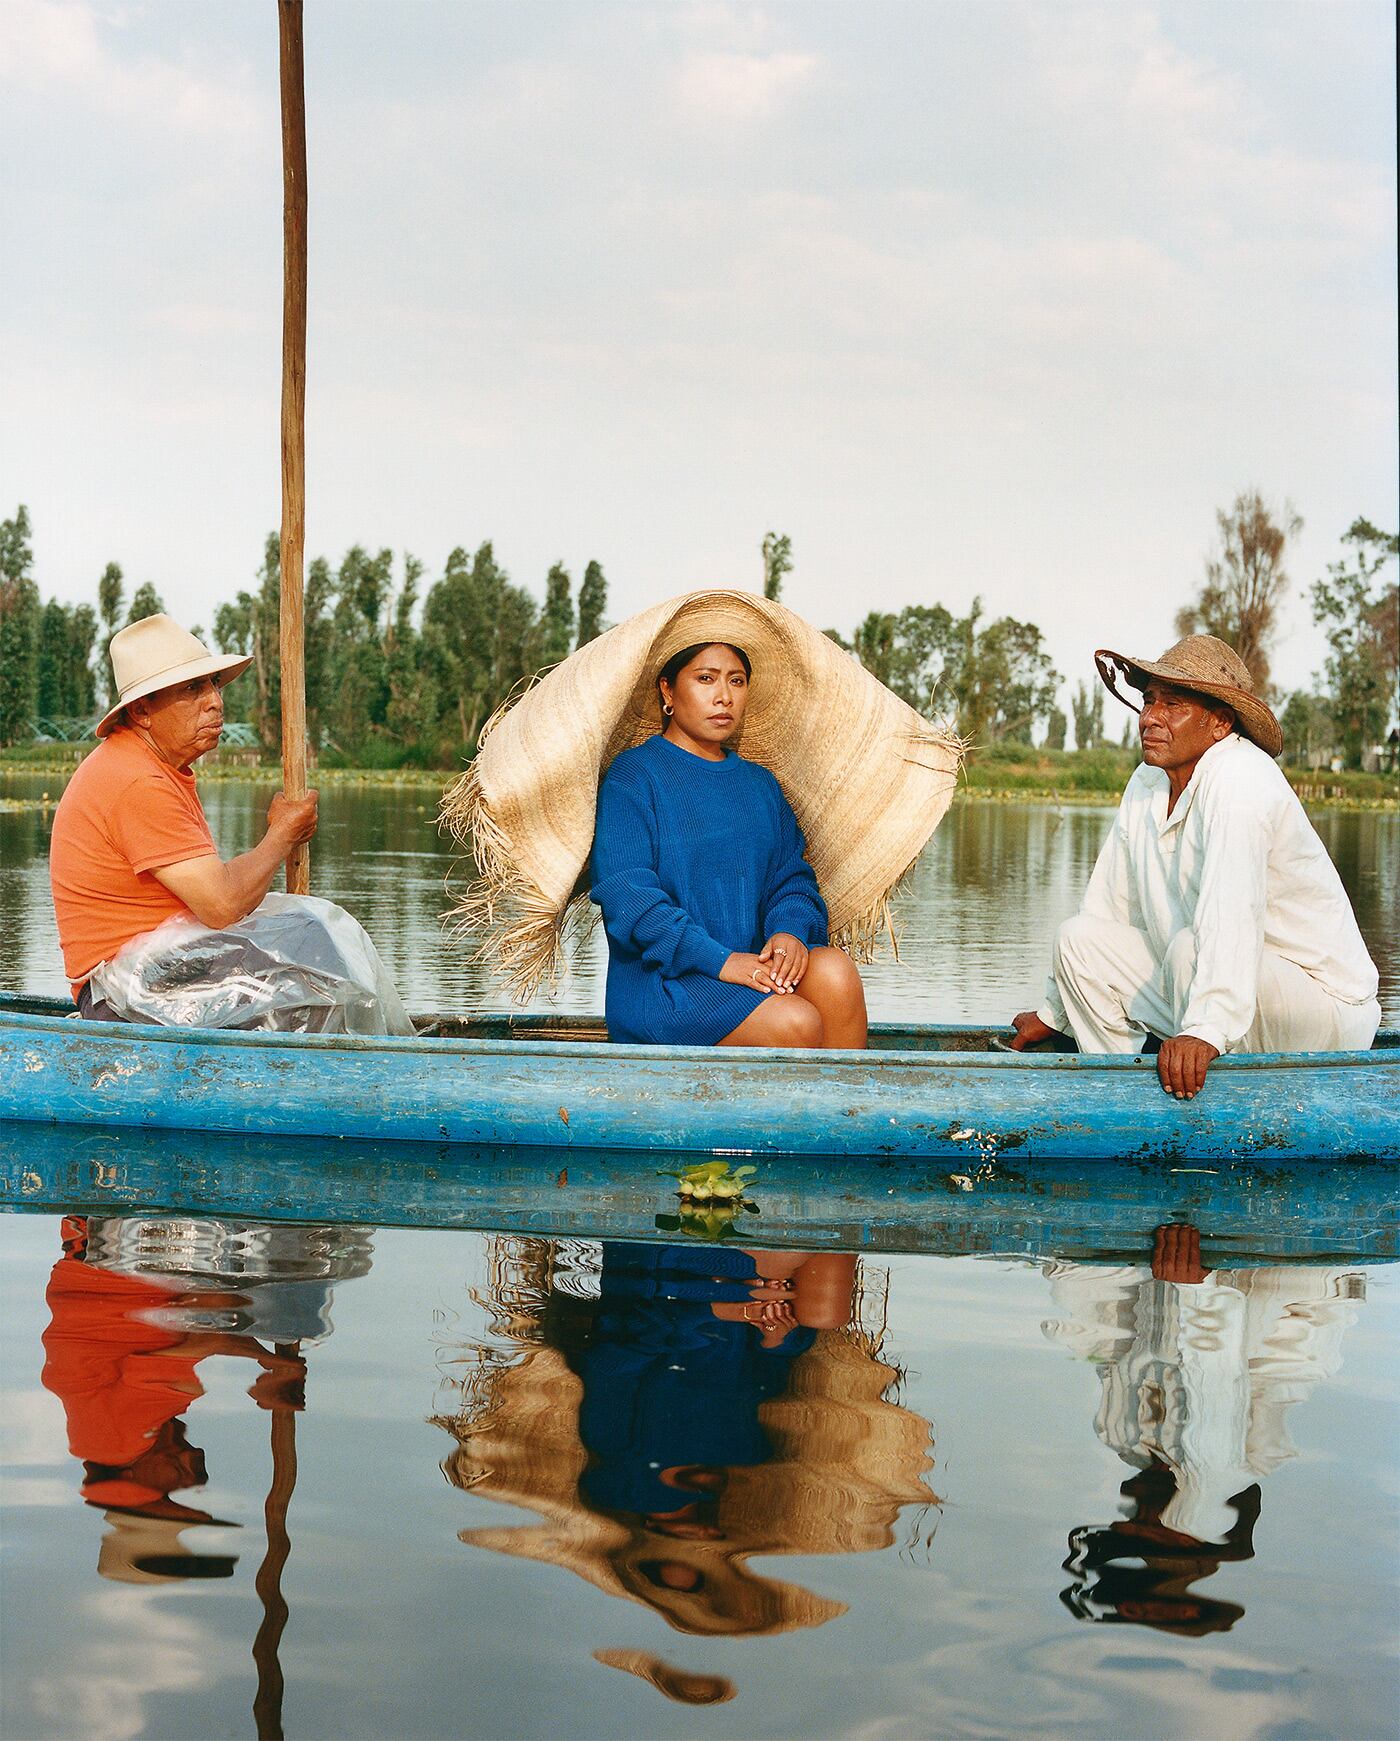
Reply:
x=293, y=540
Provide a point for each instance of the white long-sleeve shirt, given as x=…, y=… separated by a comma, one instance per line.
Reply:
x=1239, y=864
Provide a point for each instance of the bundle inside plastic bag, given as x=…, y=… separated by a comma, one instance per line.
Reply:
x=296, y=964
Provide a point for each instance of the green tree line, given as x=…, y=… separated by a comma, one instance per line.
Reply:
x=396, y=673
x=400, y=671
x=388, y=683
x=991, y=678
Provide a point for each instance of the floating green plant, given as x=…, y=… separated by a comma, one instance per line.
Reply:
x=712, y=1182
x=712, y=1194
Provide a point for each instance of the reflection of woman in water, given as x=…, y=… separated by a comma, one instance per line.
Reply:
x=711, y=1404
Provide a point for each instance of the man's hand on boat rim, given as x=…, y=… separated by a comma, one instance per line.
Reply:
x=1182, y=1064
x=1031, y=1031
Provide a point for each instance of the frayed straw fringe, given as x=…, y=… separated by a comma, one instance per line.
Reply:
x=521, y=935
x=518, y=931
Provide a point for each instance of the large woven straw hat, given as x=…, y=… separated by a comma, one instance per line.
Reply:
x=1209, y=666
x=156, y=653
x=868, y=778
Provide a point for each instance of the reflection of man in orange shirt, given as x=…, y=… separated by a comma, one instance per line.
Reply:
x=124, y=1380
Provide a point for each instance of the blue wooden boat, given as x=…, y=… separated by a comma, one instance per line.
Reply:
x=919, y=1093
x=1257, y=1211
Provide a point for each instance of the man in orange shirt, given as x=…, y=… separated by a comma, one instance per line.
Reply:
x=131, y=846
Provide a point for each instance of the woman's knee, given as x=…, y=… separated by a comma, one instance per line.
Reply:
x=832, y=973
x=793, y=1021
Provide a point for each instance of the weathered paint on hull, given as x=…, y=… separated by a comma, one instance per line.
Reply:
x=915, y=1104
x=1247, y=1211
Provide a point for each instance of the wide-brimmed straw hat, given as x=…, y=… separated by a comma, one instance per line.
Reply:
x=868, y=778
x=1209, y=666
x=157, y=653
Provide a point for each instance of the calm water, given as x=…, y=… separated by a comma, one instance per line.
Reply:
x=548, y=1488
x=348, y=1479
x=975, y=922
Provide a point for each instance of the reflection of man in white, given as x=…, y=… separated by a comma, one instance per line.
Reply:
x=1198, y=1369
x=1214, y=918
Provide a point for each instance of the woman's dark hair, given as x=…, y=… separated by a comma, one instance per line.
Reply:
x=677, y=663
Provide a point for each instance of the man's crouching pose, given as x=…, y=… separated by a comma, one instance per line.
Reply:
x=1214, y=918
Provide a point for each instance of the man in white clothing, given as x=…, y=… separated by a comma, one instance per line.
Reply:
x=1214, y=918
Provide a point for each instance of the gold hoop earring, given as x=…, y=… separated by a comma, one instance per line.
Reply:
x=667, y=709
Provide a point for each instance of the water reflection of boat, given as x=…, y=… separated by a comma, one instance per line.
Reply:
x=1336, y=1211
x=921, y=1092
x=663, y=1442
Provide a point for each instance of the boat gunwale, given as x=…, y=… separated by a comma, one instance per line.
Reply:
x=620, y=1054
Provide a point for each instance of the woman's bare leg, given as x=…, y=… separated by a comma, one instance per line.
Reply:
x=782, y=1019
x=832, y=984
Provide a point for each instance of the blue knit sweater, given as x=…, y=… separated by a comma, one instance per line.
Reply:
x=693, y=861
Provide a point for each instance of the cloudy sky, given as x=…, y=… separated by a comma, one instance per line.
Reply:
x=965, y=297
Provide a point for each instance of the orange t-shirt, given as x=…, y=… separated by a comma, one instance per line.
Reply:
x=125, y=813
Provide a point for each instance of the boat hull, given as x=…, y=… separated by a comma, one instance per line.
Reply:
x=908, y=1099
x=1247, y=1211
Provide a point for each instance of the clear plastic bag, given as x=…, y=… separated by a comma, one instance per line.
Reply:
x=296, y=964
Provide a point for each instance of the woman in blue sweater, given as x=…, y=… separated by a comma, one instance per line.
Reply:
x=716, y=928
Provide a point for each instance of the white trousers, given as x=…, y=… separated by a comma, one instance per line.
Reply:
x=1115, y=989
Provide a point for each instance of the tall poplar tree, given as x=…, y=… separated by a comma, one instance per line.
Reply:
x=412, y=704
x=19, y=629
x=145, y=602
x=478, y=636
x=1363, y=633
x=592, y=604
x=1245, y=582
x=109, y=606
x=555, y=634
x=50, y=698
x=777, y=562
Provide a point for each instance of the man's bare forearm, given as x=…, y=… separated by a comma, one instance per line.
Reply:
x=220, y=893
x=248, y=877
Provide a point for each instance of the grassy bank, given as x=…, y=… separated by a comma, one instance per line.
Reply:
x=995, y=772
x=1006, y=771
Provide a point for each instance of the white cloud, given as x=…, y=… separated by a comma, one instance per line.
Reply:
x=720, y=88
x=1114, y=65
x=39, y=1491
x=70, y=48
x=578, y=277
x=34, y=1433
x=745, y=29
x=130, y=1648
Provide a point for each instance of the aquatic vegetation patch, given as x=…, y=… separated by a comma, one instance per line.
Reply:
x=712, y=1196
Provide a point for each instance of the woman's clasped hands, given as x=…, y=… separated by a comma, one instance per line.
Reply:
x=778, y=966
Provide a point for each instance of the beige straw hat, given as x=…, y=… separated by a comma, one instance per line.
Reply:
x=1208, y=666
x=868, y=778
x=157, y=653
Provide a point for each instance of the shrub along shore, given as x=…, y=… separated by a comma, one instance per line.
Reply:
x=999, y=772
